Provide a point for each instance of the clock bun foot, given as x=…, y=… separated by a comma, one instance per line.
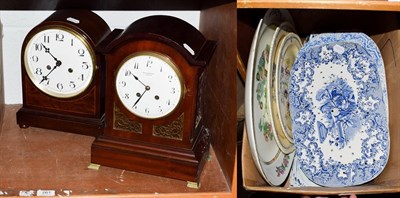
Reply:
x=23, y=126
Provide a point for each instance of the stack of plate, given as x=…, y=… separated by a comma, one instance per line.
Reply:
x=321, y=108
x=273, y=51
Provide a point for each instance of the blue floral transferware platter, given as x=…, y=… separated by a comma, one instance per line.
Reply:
x=288, y=49
x=297, y=178
x=339, y=109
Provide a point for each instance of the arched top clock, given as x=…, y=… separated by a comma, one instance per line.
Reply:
x=62, y=72
x=154, y=70
x=59, y=54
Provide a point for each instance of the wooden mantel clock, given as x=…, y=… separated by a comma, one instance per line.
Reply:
x=153, y=122
x=63, y=75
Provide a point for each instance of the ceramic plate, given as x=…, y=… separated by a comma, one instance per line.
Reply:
x=273, y=165
x=264, y=138
x=287, y=51
x=250, y=124
x=277, y=16
x=276, y=170
x=339, y=109
x=284, y=144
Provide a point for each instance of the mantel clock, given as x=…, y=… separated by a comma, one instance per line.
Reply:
x=153, y=123
x=63, y=75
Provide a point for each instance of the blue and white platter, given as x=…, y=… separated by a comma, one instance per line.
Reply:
x=297, y=177
x=339, y=109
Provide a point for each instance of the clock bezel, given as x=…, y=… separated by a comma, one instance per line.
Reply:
x=82, y=38
x=169, y=62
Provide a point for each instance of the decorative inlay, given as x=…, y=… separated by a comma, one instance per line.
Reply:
x=122, y=122
x=171, y=131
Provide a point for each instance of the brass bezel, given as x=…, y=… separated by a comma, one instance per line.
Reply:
x=169, y=62
x=82, y=39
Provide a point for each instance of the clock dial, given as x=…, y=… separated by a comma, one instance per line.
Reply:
x=59, y=62
x=149, y=85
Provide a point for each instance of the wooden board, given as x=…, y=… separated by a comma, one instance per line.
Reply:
x=382, y=5
x=38, y=159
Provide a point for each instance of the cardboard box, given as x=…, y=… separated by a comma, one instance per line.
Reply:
x=389, y=180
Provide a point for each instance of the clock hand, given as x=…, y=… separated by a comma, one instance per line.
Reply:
x=136, y=78
x=58, y=64
x=146, y=89
x=47, y=50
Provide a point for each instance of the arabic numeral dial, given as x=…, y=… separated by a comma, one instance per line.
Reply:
x=152, y=82
x=59, y=62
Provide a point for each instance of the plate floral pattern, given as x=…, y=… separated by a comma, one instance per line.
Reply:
x=265, y=142
x=339, y=109
x=261, y=92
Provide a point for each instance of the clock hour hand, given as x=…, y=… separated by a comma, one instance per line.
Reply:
x=146, y=89
x=47, y=50
x=58, y=64
x=136, y=78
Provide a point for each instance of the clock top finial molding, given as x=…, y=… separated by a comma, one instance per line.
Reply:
x=155, y=126
x=169, y=30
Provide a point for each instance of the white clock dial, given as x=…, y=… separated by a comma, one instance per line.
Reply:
x=149, y=85
x=59, y=62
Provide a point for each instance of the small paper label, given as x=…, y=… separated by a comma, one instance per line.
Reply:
x=26, y=193
x=46, y=193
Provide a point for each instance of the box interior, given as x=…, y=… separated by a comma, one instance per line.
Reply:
x=383, y=28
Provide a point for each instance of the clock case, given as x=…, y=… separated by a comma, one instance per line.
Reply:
x=81, y=114
x=174, y=146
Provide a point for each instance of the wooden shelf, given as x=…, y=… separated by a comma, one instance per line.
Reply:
x=110, y=5
x=377, y=5
x=34, y=159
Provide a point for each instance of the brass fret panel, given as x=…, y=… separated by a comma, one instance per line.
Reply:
x=122, y=122
x=174, y=130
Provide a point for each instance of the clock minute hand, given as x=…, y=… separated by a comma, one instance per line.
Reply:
x=146, y=89
x=58, y=64
x=47, y=50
